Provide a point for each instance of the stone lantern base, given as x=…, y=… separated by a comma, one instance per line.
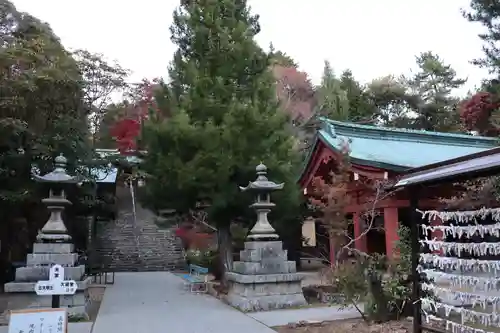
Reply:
x=37, y=268
x=264, y=279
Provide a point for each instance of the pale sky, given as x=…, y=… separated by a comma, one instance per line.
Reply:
x=371, y=37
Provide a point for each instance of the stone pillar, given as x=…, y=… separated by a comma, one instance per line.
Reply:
x=360, y=241
x=391, y=226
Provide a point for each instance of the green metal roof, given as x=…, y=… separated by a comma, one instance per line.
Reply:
x=399, y=149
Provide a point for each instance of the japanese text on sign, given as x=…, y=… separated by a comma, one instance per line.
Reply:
x=56, y=285
x=38, y=321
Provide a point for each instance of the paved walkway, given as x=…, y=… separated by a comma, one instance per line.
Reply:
x=156, y=302
x=324, y=313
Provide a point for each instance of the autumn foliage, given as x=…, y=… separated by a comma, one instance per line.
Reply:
x=294, y=91
x=125, y=133
x=127, y=129
x=476, y=113
x=330, y=196
x=192, y=238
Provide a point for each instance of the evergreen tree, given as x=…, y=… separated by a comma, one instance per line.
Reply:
x=360, y=107
x=392, y=100
x=226, y=121
x=333, y=101
x=487, y=13
x=433, y=84
x=42, y=114
x=280, y=58
x=41, y=90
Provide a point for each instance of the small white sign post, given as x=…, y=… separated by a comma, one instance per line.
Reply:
x=56, y=285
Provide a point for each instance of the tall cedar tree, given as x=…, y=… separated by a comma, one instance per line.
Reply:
x=332, y=99
x=225, y=120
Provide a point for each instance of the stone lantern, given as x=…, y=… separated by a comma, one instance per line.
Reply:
x=264, y=278
x=54, y=230
x=262, y=187
x=52, y=247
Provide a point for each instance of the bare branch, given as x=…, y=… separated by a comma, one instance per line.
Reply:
x=379, y=195
x=200, y=217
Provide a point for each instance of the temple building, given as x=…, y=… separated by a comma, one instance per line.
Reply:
x=384, y=154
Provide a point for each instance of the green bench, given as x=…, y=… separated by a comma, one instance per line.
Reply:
x=197, y=277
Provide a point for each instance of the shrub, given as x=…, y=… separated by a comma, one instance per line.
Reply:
x=384, y=285
x=203, y=258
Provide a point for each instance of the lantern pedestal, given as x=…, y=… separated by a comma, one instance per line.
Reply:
x=37, y=269
x=264, y=279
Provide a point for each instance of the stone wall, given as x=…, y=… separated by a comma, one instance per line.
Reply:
x=140, y=245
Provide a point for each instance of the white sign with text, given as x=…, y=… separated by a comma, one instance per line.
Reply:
x=56, y=285
x=38, y=321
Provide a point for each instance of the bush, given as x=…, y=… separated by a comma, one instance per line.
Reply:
x=203, y=258
x=384, y=285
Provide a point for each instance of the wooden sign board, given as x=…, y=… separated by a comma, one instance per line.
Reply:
x=38, y=321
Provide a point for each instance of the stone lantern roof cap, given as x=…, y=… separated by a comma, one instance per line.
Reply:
x=262, y=183
x=59, y=174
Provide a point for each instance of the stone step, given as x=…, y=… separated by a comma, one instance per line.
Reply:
x=53, y=248
x=29, y=287
x=30, y=274
x=137, y=245
x=265, y=267
x=63, y=259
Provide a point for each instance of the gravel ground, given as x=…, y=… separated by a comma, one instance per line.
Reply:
x=347, y=326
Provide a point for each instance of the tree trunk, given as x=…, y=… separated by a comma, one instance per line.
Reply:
x=225, y=250
x=381, y=313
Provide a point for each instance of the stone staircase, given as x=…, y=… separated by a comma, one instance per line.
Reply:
x=140, y=245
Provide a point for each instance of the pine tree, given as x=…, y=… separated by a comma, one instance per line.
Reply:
x=394, y=105
x=433, y=84
x=487, y=13
x=226, y=121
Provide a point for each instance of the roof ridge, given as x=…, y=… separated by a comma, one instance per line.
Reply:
x=402, y=134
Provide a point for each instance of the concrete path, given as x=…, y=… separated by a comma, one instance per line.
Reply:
x=156, y=302
x=325, y=313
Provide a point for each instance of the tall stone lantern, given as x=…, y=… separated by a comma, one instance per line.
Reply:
x=53, y=246
x=264, y=279
x=54, y=230
x=262, y=187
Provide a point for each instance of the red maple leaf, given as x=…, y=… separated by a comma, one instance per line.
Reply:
x=476, y=113
x=125, y=132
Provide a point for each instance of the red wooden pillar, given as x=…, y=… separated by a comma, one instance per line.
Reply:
x=360, y=241
x=391, y=225
x=332, y=250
